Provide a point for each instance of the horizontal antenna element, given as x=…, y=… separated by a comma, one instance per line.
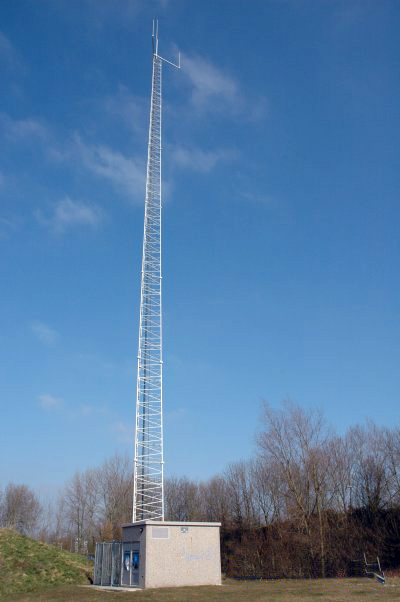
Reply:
x=155, y=47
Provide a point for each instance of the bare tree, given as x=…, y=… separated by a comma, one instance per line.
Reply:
x=391, y=439
x=80, y=501
x=182, y=499
x=294, y=440
x=240, y=489
x=214, y=500
x=115, y=487
x=341, y=473
x=371, y=482
x=20, y=509
x=267, y=488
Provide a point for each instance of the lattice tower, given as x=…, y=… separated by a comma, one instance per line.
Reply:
x=148, y=490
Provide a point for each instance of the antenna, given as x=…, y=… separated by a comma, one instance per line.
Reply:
x=148, y=484
x=155, y=51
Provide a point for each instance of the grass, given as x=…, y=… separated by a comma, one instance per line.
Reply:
x=31, y=570
x=31, y=566
x=328, y=590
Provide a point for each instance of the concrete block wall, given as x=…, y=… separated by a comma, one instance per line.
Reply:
x=176, y=553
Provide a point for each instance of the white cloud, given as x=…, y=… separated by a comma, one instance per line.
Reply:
x=6, y=48
x=7, y=226
x=8, y=54
x=213, y=90
x=18, y=130
x=49, y=402
x=132, y=111
x=88, y=409
x=43, y=332
x=75, y=412
x=126, y=173
x=209, y=83
x=256, y=197
x=199, y=160
x=178, y=414
x=68, y=213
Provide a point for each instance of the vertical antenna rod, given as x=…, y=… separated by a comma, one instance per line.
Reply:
x=148, y=487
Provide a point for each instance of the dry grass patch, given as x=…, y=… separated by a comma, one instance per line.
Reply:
x=329, y=590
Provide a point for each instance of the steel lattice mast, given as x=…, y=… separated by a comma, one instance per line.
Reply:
x=148, y=488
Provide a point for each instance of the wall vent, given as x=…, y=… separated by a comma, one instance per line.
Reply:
x=160, y=533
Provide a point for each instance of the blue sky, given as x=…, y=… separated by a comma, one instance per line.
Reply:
x=281, y=223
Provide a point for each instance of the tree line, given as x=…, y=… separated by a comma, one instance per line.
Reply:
x=309, y=503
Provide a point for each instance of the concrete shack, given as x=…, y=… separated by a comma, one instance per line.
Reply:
x=170, y=554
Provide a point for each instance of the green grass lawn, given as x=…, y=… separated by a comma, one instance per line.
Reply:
x=27, y=565
x=329, y=590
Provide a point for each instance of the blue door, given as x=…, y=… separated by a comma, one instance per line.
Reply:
x=130, y=564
